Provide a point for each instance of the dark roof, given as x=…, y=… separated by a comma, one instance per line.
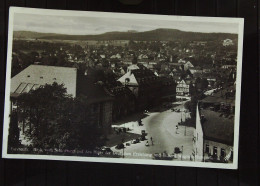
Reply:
x=217, y=128
x=220, y=97
x=167, y=81
x=120, y=91
x=144, y=76
x=175, y=64
x=95, y=92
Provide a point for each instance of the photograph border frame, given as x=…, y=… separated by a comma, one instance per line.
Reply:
x=239, y=21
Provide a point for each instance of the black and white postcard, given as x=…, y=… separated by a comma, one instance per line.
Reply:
x=123, y=88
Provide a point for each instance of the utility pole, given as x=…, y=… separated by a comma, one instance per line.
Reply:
x=185, y=124
x=181, y=151
x=123, y=152
x=181, y=117
x=123, y=147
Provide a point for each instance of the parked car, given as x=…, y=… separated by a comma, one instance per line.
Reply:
x=120, y=146
x=163, y=156
x=106, y=150
x=156, y=156
x=142, y=138
x=135, y=141
x=177, y=150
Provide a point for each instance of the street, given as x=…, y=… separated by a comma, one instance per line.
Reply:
x=161, y=126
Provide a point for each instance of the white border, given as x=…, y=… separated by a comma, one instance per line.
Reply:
x=239, y=21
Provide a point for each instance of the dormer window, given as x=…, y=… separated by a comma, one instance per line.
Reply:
x=41, y=77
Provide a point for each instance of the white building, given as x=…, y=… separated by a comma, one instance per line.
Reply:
x=188, y=65
x=228, y=42
x=213, y=136
x=183, y=89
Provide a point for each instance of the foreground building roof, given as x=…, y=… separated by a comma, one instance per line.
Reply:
x=221, y=97
x=35, y=76
x=216, y=127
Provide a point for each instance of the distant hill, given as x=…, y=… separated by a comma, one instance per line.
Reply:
x=153, y=35
x=32, y=35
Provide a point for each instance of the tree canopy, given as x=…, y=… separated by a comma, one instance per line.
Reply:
x=55, y=120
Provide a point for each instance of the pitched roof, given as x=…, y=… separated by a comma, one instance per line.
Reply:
x=175, y=64
x=39, y=75
x=138, y=76
x=130, y=76
x=182, y=82
x=217, y=128
x=94, y=92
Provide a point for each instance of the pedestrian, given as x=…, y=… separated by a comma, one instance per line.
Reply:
x=152, y=140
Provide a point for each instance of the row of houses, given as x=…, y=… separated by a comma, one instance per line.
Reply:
x=147, y=87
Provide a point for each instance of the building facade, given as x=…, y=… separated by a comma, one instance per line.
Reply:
x=213, y=136
x=183, y=89
x=144, y=84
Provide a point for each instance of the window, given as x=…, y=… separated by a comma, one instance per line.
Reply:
x=215, y=151
x=222, y=153
x=27, y=88
x=35, y=86
x=20, y=88
x=207, y=148
x=197, y=136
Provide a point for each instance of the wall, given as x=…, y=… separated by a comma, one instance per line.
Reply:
x=198, y=138
x=219, y=146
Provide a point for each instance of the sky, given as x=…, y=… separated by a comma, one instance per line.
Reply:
x=73, y=25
